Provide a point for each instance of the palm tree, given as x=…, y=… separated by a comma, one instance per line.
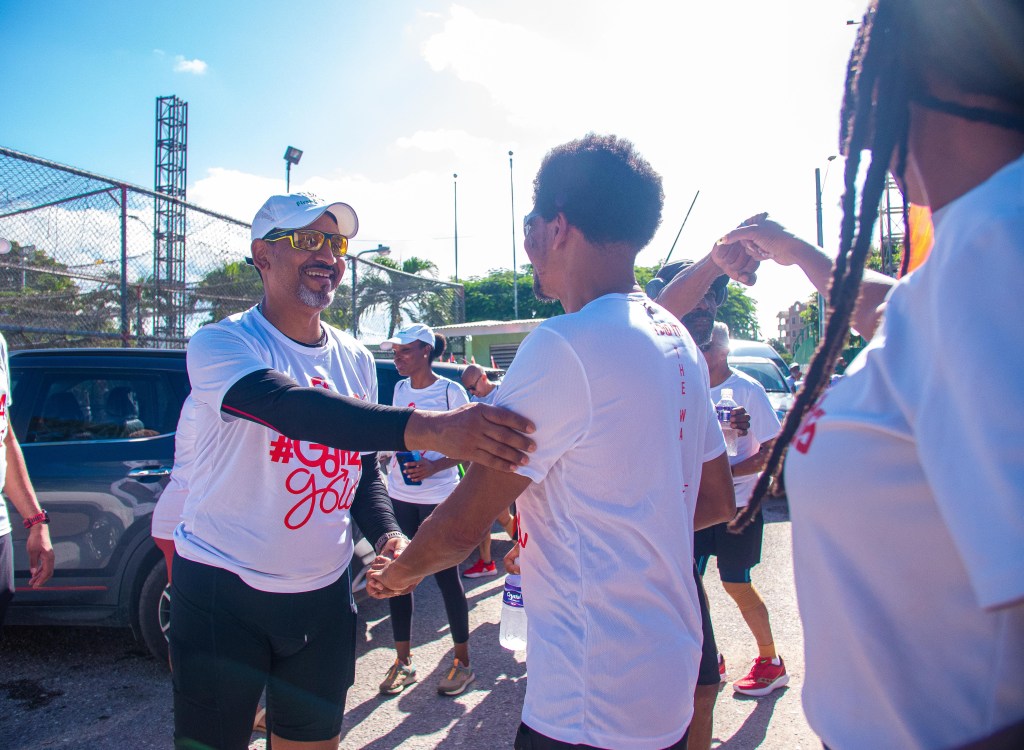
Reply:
x=402, y=290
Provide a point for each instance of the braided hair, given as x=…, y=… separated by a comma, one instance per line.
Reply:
x=897, y=41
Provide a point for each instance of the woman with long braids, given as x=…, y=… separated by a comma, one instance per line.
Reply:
x=905, y=480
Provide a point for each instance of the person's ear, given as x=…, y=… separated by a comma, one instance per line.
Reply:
x=259, y=251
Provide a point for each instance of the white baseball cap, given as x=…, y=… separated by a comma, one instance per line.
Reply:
x=299, y=210
x=415, y=332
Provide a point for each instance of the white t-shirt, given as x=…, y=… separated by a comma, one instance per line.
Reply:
x=489, y=398
x=5, y=425
x=275, y=511
x=764, y=425
x=441, y=395
x=620, y=396
x=906, y=488
x=167, y=513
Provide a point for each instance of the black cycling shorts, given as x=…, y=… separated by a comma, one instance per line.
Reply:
x=228, y=641
x=737, y=553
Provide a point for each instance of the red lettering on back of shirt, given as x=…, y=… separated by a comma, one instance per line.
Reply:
x=805, y=437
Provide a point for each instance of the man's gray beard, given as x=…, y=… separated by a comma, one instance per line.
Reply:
x=316, y=300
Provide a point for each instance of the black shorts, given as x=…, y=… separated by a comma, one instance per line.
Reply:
x=228, y=641
x=707, y=674
x=737, y=553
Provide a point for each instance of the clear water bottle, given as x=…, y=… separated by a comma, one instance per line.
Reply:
x=724, y=408
x=512, y=634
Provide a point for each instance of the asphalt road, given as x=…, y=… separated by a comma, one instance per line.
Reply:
x=95, y=688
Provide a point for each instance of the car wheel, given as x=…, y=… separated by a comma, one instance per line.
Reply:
x=154, y=611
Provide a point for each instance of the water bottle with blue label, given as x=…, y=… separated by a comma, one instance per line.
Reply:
x=512, y=633
x=724, y=408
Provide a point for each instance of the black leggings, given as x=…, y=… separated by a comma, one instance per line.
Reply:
x=410, y=516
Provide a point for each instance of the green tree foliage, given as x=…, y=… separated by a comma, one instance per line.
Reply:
x=401, y=296
x=42, y=294
x=231, y=288
x=490, y=297
x=739, y=312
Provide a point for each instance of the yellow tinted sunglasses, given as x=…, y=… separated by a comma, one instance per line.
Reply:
x=310, y=240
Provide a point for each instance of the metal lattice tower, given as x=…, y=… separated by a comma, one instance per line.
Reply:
x=169, y=216
x=891, y=226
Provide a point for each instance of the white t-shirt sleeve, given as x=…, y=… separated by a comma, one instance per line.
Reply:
x=547, y=384
x=457, y=396
x=217, y=359
x=969, y=449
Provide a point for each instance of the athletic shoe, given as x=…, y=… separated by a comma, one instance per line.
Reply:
x=398, y=678
x=764, y=677
x=457, y=679
x=480, y=569
x=721, y=668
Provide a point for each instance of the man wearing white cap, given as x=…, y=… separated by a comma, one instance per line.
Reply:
x=286, y=434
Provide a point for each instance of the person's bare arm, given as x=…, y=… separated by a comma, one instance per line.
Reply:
x=754, y=464
x=18, y=488
x=451, y=532
x=716, y=498
x=768, y=239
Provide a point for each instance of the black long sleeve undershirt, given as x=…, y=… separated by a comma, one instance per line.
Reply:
x=371, y=507
x=317, y=415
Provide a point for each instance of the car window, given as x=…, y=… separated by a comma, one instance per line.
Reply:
x=103, y=405
x=765, y=373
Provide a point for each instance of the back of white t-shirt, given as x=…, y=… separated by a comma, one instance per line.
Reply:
x=620, y=397
x=441, y=395
x=273, y=510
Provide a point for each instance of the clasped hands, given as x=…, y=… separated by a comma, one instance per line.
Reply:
x=739, y=253
x=381, y=581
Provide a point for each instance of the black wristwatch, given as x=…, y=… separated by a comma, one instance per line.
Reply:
x=41, y=517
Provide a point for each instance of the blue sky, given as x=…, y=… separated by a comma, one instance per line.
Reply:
x=738, y=99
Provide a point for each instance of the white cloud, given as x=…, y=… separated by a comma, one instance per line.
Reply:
x=195, y=66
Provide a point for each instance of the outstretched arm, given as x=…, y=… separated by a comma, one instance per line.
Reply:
x=452, y=531
x=476, y=432
x=769, y=240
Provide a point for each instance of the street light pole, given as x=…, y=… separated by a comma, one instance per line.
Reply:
x=515, y=272
x=455, y=186
x=818, y=183
x=380, y=250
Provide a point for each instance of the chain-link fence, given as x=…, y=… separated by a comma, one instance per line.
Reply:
x=89, y=261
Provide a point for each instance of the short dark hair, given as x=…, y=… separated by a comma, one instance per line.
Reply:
x=605, y=189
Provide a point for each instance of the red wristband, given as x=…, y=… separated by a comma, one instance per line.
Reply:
x=38, y=518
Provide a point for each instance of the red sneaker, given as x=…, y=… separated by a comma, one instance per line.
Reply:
x=480, y=569
x=763, y=678
x=721, y=668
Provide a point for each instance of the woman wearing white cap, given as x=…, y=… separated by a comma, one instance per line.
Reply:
x=418, y=483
